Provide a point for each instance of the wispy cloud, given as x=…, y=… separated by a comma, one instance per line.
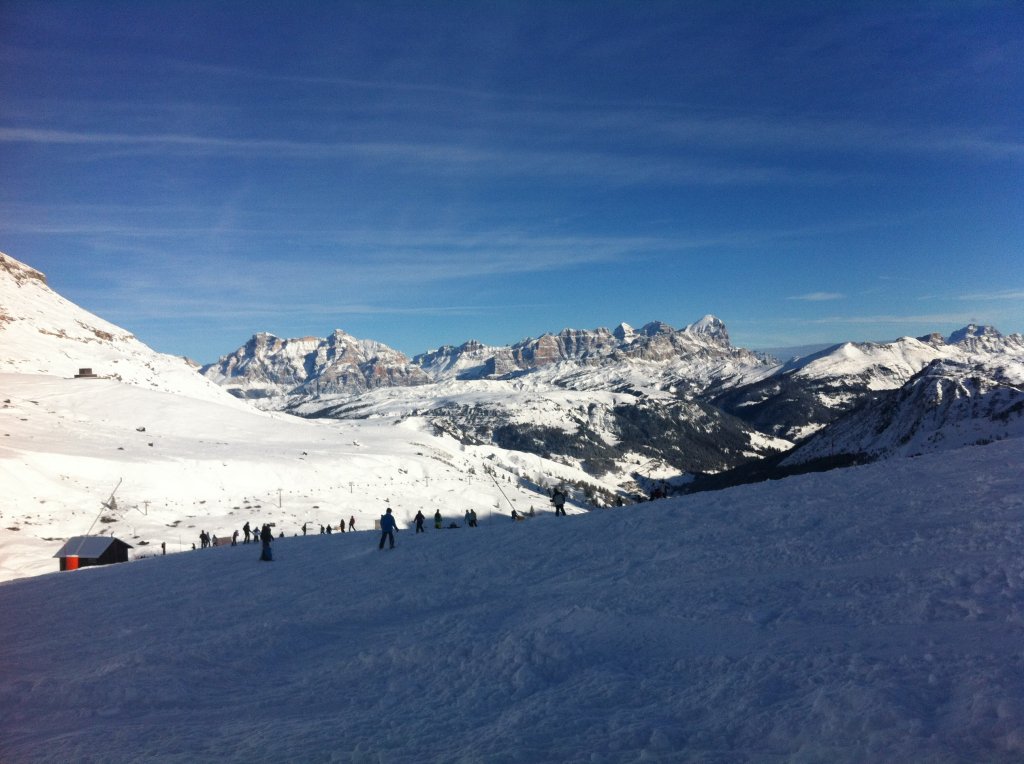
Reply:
x=611, y=165
x=818, y=297
x=1006, y=294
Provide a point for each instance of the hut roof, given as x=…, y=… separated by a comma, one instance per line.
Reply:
x=88, y=546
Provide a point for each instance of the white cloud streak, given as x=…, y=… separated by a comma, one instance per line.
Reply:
x=818, y=297
x=1007, y=294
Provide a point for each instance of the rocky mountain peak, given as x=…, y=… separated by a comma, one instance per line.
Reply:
x=655, y=328
x=709, y=327
x=20, y=272
x=624, y=333
x=267, y=366
x=974, y=331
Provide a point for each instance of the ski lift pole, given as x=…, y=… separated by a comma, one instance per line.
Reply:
x=108, y=504
x=498, y=485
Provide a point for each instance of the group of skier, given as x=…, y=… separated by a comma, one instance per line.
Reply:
x=388, y=526
x=327, y=529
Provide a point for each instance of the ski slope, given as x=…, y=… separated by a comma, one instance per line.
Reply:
x=868, y=614
x=183, y=464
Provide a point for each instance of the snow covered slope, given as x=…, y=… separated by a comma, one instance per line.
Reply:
x=874, y=614
x=624, y=441
x=190, y=457
x=804, y=395
x=42, y=333
x=189, y=465
x=947, y=405
x=618, y=405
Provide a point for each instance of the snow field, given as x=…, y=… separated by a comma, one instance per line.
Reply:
x=188, y=465
x=868, y=614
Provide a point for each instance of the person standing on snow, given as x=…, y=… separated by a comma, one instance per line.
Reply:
x=437, y=519
x=352, y=523
x=266, y=536
x=419, y=522
x=387, y=528
x=246, y=531
x=558, y=499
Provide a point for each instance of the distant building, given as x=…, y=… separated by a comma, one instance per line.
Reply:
x=81, y=551
x=85, y=374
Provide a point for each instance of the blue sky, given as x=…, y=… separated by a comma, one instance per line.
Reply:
x=424, y=173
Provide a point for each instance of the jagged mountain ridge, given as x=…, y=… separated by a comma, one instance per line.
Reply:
x=948, y=404
x=804, y=395
x=626, y=405
x=655, y=341
x=269, y=367
x=599, y=400
x=687, y=400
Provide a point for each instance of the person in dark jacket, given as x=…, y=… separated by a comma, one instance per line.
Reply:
x=419, y=522
x=266, y=536
x=246, y=531
x=437, y=519
x=387, y=528
x=558, y=499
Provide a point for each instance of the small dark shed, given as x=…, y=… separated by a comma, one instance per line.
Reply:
x=81, y=551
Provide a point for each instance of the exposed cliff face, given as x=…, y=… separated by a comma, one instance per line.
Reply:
x=656, y=342
x=268, y=366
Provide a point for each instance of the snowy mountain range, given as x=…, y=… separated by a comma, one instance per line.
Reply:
x=865, y=614
x=613, y=415
x=633, y=407
x=946, y=405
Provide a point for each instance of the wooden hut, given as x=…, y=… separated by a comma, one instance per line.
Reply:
x=81, y=551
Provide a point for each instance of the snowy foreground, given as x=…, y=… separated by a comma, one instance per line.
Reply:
x=868, y=614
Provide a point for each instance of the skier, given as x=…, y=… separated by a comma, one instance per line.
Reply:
x=245, y=530
x=234, y=538
x=266, y=536
x=472, y=518
x=387, y=528
x=303, y=529
x=419, y=522
x=437, y=519
x=558, y=499
x=468, y=519
x=352, y=523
